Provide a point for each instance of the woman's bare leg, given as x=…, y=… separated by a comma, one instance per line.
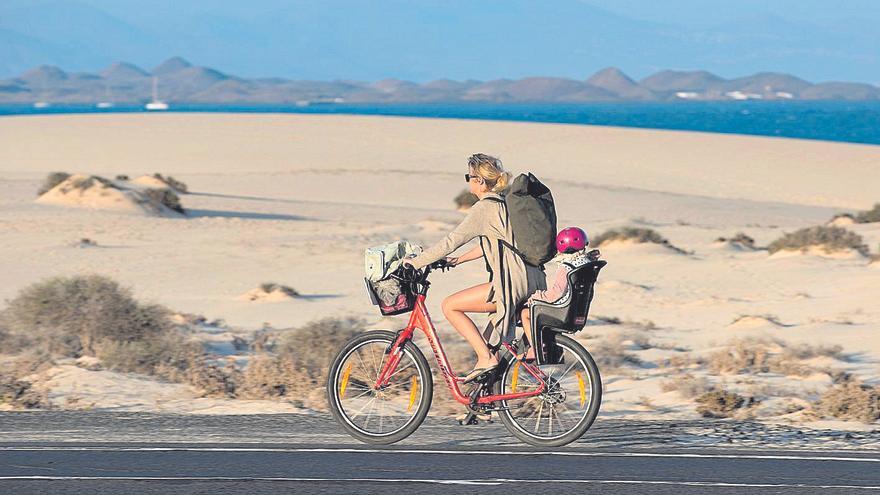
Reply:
x=472, y=300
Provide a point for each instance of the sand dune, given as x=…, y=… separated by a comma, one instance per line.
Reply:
x=84, y=191
x=297, y=197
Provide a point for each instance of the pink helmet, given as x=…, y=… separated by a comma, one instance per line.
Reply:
x=571, y=239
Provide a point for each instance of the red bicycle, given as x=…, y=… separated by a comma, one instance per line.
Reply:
x=380, y=385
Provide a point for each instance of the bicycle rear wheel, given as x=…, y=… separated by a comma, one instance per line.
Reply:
x=565, y=410
x=379, y=415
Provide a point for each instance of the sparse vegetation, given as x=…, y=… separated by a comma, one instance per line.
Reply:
x=638, y=235
x=52, y=180
x=688, y=386
x=465, y=199
x=851, y=401
x=721, y=403
x=829, y=238
x=298, y=366
x=269, y=287
x=122, y=177
x=165, y=197
x=762, y=355
x=611, y=353
x=173, y=183
x=94, y=316
x=739, y=239
x=869, y=216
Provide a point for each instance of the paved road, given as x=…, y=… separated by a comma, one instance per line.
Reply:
x=138, y=453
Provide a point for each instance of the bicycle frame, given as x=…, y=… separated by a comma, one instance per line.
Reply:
x=420, y=319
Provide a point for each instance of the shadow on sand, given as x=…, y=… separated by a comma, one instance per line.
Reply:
x=196, y=213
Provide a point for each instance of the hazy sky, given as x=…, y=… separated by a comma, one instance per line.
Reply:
x=427, y=39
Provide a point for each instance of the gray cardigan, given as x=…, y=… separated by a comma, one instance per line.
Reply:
x=512, y=280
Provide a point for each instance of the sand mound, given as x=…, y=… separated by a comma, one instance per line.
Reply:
x=842, y=220
x=149, y=181
x=629, y=245
x=85, y=191
x=270, y=293
x=756, y=321
x=819, y=251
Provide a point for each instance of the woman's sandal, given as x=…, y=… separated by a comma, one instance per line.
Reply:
x=476, y=373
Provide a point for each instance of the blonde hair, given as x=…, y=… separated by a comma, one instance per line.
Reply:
x=490, y=170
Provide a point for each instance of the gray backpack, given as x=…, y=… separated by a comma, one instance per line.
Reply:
x=532, y=216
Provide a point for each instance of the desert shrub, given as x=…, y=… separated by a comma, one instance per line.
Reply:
x=165, y=197
x=213, y=380
x=740, y=238
x=829, y=238
x=15, y=388
x=122, y=177
x=465, y=199
x=868, y=216
x=638, y=235
x=757, y=355
x=852, y=401
x=720, y=403
x=52, y=180
x=94, y=316
x=299, y=365
x=611, y=353
x=269, y=287
x=173, y=183
x=687, y=386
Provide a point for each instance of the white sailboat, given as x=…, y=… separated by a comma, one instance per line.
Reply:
x=106, y=103
x=156, y=104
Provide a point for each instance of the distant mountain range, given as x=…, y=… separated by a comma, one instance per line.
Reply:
x=181, y=82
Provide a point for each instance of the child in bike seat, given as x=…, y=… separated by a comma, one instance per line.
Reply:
x=571, y=244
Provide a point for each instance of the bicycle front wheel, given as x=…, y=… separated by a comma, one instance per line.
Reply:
x=385, y=414
x=568, y=406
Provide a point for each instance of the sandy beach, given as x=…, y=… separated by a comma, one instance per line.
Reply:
x=294, y=199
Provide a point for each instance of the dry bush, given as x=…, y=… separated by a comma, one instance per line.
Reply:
x=300, y=363
x=122, y=177
x=762, y=355
x=830, y=238
x=212, y=380
x=173, y=183
x=688, y=386
x=94, y=316
x=868, y=216
x=851, y=401
x=635, y=234
x=15, y=389
x=465, y=199
x=740, y=238
x=165, y=197
x=269, y=287
x=52, y=180
x=721, y=403
x=611, y=353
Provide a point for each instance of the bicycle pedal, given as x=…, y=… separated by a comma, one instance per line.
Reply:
x=471, y=419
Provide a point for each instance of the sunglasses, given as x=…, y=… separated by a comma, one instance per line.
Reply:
x=468, y=177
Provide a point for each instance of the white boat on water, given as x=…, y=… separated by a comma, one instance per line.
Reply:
x=156, y=104
x=104, y=104
x=42, y=104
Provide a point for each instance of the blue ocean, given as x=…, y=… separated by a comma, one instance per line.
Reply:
x=854, y=122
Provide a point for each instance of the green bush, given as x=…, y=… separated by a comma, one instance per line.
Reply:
x=830, y=238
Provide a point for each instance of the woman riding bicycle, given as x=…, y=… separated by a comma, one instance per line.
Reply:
x=511, y=280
